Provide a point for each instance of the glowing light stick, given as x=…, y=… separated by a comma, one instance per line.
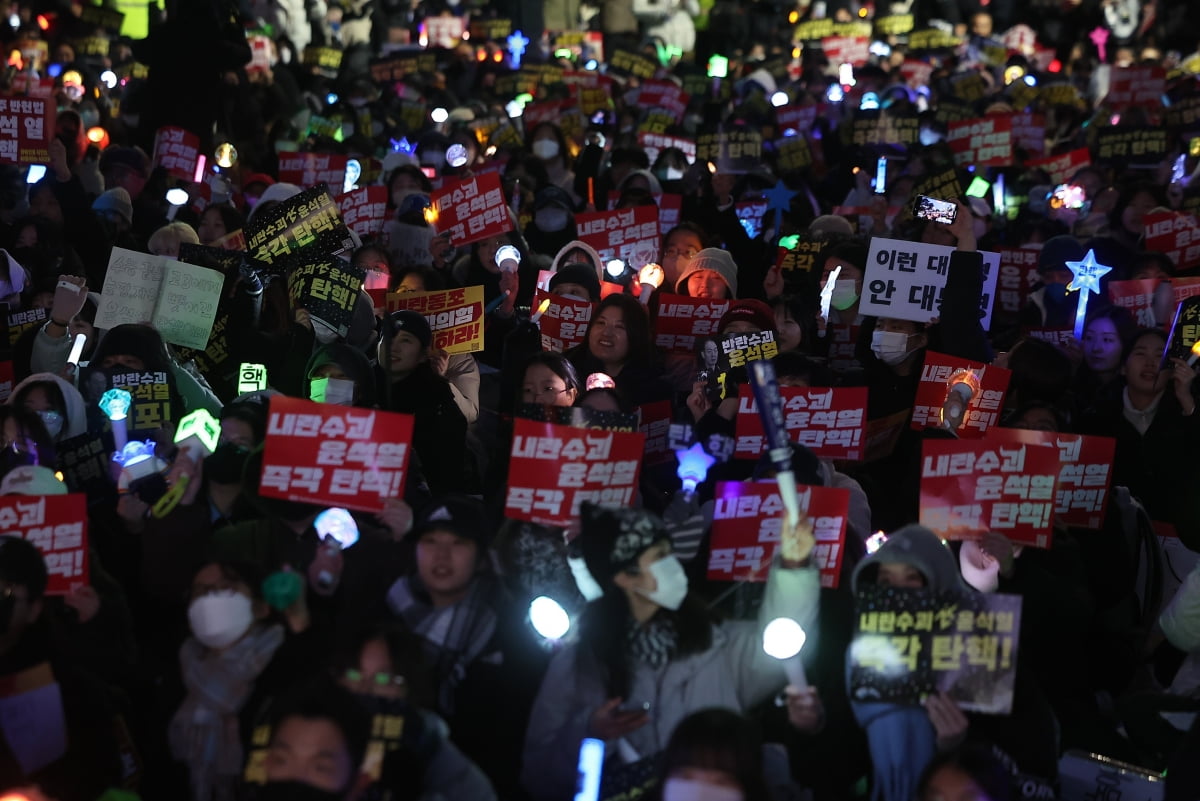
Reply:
x=508, y=259
x=77, y=349
x=251, y=378
x=1087, y=280
x=782, y=639
x=693, y=466
x=827, y=292
x=1195, y=354
x=548, y=617
x=779, y=448
x=650, y=277
x=615, y=268
x=962, y=385
x=541, y=309
x=198, y=434
x=115, y=404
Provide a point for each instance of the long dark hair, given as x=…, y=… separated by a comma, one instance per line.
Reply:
x=637, y=328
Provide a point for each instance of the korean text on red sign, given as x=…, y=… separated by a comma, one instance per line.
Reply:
x=1176, y=234
x=364, y=210
x=830, y=422
x=681, y=319
x=747, y=526
x=654, y=421
x=987, y=401
x=310, y=169
x=969, y=487
x=1018, y=272
x=630, y=235
x=564, y=322
x=1081, y=496
x=553, y=469
x=335, y=455
x=455, y=316
x=177, y=151
x=985, y=142
x=904, y=280
x=57, y=526
x=471, y=209
x=26, y=128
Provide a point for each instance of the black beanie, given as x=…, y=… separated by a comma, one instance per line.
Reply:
x=578, y=273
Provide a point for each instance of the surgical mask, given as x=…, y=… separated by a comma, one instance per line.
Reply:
x=845, y=294
x=545, y=149
x=672, y=583
x=295, y=791
x=890, y=347
x=53, y=422
x=691, y=790
x=219, y=619
x=551, y=219
x=225, y=464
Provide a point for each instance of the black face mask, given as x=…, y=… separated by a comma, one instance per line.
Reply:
x=294, y=791
x=226, y=463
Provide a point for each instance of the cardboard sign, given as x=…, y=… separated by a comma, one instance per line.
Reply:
x=1136, y=86
x=904, y=280
x=654, y=422
x=631, y=65
x=1128, y=145
x=21, y=321
x=681, y=319
x=335, y=455
x=152, y=393
x=1017, y=273
x=733, y=152
x=328, y=290
x=553, y=469
x=631, y=235
x=454, y=315
x=654, y=143
x=471, y=209
x=969, y=487
x=57, y=526
x=177, y=151
x=1175, y=234
x=26, y=129
x=748, y=523
x=986, y=142
x=854, y=50
x=394, y=69
x=831, y=422
x=564, y=322
x=178, y=299
x=310, y=220
x=983, y=411
x=309, y=169
x=364, y=210
x=882, y=127
x=1062, y=168
x=910, y=643
x=1081, y=495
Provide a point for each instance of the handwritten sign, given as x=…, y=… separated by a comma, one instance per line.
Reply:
x=904, y=280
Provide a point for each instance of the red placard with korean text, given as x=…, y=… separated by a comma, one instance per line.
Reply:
x=1175, y=233
x=57, y=526
x=177, y=151
x=1062, y=337
x=564, y=322
x=681, y=319
x=553, y=469
x=455, y=316
x=670, y=206
x=26, y=128
x=330, y=455
x=983, y=410
x=1140, y=297
x=1136, y=86
x=847, y=49
x=630, y=235
x=1018, y=272
x=471, y=209
x=747, y=523
x=364, y=210
x=1029, y=133
x=654, y=143
x=654, y=421
x=831, y=422
x=1060, y=168
x=969, y=487
x=1085, y=474
x=309, y=169
x=984, y=142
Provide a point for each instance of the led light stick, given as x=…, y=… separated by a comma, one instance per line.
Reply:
x=77, y=349
x=541, y=309
x=693, y=466
x=1087, y=274
x=783, y=638
x=548, y=617
x=115, y=404
x=650, y=277
x=827, y=294
x=508, y=259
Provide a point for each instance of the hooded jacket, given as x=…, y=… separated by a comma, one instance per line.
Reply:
x=75, y=413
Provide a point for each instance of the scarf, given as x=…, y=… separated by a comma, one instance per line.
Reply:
x=455, y=635
x=652, y=644
x=204, y=732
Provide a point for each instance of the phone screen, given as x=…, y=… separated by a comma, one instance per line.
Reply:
x=930, y=208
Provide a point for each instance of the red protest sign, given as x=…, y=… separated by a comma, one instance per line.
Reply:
x=1136, y=86
x=630, y=235
x=653, y=143
x=1062, y=337
x=942, y=371
x=847, y=49
x=564, y=322
x=654, y=421
x=310, y=169
x=26, y=128
x=916, y=73
x=670, y=207
x=1029, y=132
x=471, y=209
x=6, y=380
x=1018, y=272
x=1137, y=296
x=364, y=210
x=1085, y=474
x=842, y=344
x=443, y=31
x=1062, y=167
x=177, y=151
x=330, y=455
x=984, y=142
x=455, y=316
x=593, y=91
x=969, y=487
x=832, y=423
x=661, y=96
x=57, y=526
x=534, y=114
x=553, y=469
x=1176, y=234
x=681, y=319
x=747, y=524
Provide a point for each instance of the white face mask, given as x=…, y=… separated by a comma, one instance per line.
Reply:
x=845, y=294
x=53, y=422
x=672, y=583
x=545, y=149
x=551, y=219
x=691, y=790
x=219, y=619
x=890, y=347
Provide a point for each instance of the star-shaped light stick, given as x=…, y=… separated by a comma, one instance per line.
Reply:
x=1087, y=280
x=517, y=42
x=779, y=198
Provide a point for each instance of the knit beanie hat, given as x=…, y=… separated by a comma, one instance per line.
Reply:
x=115, y=200
x=1058, y=250
x=578, y=273
x=714, y=259
x=750, y=311
x=410, y=321
x=612, y=538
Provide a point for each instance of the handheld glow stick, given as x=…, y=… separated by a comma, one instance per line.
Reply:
x=198, y=434
x=548, y=617
x=251, y=378
x=77, y=349
x=779, y=448
x=1087, y=274
x=541, y=309
x=783, y=638
x=1195, y=357
x=827, y=293
x=693, y=466
x=650, y=277
x=508, y=259
x=115, y=404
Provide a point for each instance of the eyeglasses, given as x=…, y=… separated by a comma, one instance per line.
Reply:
x=678, y=253
x=377, y=680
